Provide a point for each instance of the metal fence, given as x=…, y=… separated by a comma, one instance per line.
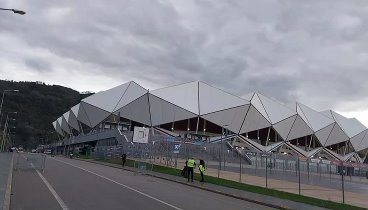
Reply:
x=29, y=161
x=277, y=171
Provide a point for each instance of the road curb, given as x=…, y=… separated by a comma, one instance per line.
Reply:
x=6, y=205
x=191, y=185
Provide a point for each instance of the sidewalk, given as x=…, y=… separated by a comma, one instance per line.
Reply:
x=6, y=170
x=239, y=194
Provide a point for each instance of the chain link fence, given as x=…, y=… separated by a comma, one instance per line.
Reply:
x=311, y=177
x=29, y=161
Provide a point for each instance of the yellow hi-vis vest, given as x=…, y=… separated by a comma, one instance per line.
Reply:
x=201, y=168
x=191, y=163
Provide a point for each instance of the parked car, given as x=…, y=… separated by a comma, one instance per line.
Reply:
x=47, y=151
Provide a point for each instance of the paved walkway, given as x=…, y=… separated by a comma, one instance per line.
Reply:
x=6, y=166
x=248, y=196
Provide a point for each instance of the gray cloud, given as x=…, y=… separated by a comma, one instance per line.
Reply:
x=38, y=64
x=311, y=51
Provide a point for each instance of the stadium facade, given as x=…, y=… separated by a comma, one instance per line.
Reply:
x=200, y=111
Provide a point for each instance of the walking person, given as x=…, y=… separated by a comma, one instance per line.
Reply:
x=202, y=168
x=191, y=164
x=123, y=159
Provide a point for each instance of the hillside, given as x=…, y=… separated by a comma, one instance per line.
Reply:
x=38, y=105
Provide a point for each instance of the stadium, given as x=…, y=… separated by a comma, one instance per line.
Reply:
x=204, y=113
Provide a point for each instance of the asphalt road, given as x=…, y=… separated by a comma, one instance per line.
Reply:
x=73, y=184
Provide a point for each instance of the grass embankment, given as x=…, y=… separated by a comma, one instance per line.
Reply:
x=240, y=186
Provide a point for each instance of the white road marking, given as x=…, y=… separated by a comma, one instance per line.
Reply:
x=53, y=192
x=123, y=185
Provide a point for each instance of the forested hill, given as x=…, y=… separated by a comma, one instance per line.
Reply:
x=37, y=105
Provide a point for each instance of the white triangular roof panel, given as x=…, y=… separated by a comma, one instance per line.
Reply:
x=248, y=96
x=364, y=143
x=233, y=117
x=163, y=112
x=337, y=136
x=351, y=127
x=299, y=129
x=133, y=92
x=302, y=115
x=75, y=110
x=58, y=127
x=356, y=140
x=54, y=124
x=64, y=125
x=327, y=113
x=315, y=119
x=95, y=115
x=66, y=116
x=82, y=116
x=184, y=96
x=254, y=121
x=137, y=110
x=256, y=102
x=283, y=128
x=60, y=120
x=108, y=99
x=322, y=134
x=72, y=120
x=212, y=99
x=275, y=110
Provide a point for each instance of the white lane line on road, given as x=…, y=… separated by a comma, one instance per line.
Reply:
x=53, y=192
x=123, y=185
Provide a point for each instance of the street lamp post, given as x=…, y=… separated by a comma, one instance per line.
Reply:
x=2, y=102
x=16, y=11
x=9, y=136
x=4, y=131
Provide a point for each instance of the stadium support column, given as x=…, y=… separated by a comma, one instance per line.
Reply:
x=204, y=127
x=268, y=135
x=305, y=143
x=275, y=136
x=188, y=129
x=346, y=146
x=81, y=127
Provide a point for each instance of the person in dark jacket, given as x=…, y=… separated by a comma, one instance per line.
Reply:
x=184, y=172
x=123, y=159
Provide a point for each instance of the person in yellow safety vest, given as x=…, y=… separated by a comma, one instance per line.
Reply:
x=202, y=168
x=191, y=164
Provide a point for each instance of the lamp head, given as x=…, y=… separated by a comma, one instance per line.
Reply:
x=20, y=12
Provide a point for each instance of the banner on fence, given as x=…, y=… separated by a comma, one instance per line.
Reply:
x=140, y=135
x=326, y=161
x=315, y=160
x=177, y=148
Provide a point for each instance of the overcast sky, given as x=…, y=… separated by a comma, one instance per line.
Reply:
x=315, y=52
